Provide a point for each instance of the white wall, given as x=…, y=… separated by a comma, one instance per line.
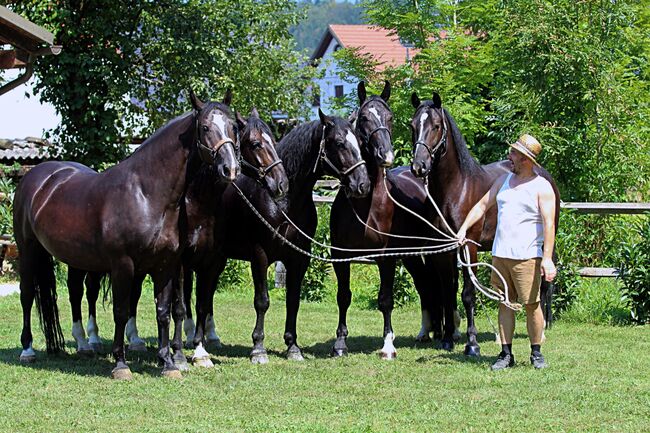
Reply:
x=329, y=81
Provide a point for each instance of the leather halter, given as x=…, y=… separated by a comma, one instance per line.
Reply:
x=258, y=173
x=322, y=156
x=207, y=154
x=443, y=140
x=364, y=137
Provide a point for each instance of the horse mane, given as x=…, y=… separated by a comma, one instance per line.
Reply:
x=466, y=161
x=295, y=148
x=256, y=123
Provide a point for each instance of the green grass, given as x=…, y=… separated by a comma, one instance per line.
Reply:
x=598, y=380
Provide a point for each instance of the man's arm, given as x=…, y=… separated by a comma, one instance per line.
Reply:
x=478, y=211
x=546, y=200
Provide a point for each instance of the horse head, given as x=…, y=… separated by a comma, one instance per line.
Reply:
x=374, y=124
x=429, y=128
x=340, y=154
x=216, y=136
x=260, y=161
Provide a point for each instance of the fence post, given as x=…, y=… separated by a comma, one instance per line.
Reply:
x=280, y=275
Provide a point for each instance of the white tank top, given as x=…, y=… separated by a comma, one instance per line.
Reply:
x=520, y=229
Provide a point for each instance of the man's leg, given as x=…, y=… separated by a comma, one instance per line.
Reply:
x=535, y=325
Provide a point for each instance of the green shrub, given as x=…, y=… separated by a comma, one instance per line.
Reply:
x=7, y=188
x=404, y=291
x=314, y=285
x=233, y=276
x=635, y=271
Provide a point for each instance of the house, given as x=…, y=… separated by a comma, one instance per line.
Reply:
x=375, y=41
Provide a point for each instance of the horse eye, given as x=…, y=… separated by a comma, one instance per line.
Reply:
x=363, y=117
x=205, y=128
x=256, y=144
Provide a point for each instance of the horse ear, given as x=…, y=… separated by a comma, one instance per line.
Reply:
x=324, y=119
x=415, y=101
x=197, y=104
x=361, y=91
x=255, y=113
x=437, y=102
x=241, y=122
x=353, y=116
x=227, y=99
x=385, y=94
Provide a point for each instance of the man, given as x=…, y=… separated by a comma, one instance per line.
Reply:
x=523, y=244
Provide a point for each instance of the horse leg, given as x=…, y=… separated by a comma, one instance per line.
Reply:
x=27, y=271
x=178, y=313
x=164, y=292
x=472, y=347
x=75, y=294
x=121, y=281
x=259, y=266
x=205, y=286
x=385, y=302
x=296, y=269
x=188, y=324
x=93, y=287
x=445, y=269
x=343, y=299
x=416, y=268
x=136, y=344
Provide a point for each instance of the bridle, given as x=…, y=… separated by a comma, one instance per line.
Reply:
x=441, y=143
x=258, y=173
x=322, y=156
x=207, y=154
x=366, y=137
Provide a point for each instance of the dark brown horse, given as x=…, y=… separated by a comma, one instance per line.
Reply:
x=456, y=182
x=126, y=221
x=307, y=152
x=384, y=224
x=204, y=212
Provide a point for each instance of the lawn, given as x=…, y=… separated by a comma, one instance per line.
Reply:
x=598, y=379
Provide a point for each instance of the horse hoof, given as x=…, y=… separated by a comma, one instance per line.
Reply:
x=27, y=359
x=473, y=351
x=214, y=343
x=457, y=335
x=88, y=353
x=139, y=346
x=172, y=374
x=339, y=353
x=203, y=362
x=388, y=355
x=447, y=345
x=259, y=358
x=295, y=355
x=423, y=338
x=182, y=364
x=121, y=374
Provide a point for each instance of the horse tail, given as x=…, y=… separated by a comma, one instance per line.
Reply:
x=48, y=312
x=106, y=287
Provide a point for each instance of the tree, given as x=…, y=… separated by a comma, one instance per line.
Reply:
x=127, y=65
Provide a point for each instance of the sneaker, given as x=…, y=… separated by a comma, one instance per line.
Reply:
x=537, y=359
x=505, y=360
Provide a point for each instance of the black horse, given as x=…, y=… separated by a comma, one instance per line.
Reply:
x=456, y=182
x=204, y=210
x=126, y=221
x=308, y=151
x=383, y=224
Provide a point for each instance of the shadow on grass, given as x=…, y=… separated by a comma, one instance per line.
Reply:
x=99, y=365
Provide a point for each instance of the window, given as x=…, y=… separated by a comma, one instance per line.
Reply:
x=338, y=91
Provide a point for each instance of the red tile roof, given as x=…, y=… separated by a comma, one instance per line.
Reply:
x=375, y=41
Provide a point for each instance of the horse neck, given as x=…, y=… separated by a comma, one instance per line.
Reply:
x=301, y=173
x=161, y=162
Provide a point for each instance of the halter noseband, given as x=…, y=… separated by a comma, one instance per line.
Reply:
x=322, y=156
x=441, y=142
x=258, y=173
x=366, y=138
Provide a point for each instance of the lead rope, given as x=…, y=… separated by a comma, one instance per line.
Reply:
x=441, y=249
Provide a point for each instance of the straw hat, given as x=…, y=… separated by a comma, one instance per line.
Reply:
x=529, y=147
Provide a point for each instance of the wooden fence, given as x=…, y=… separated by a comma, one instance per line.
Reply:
x=583, y=208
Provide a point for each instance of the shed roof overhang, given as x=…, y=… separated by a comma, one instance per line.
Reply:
x=28, y=41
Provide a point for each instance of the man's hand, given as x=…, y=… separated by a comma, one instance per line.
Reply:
x=461, y=236
x=548, y=270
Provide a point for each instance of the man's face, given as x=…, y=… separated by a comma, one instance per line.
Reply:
x=517, y=160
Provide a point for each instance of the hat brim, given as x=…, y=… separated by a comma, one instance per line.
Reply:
x=524, y=151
